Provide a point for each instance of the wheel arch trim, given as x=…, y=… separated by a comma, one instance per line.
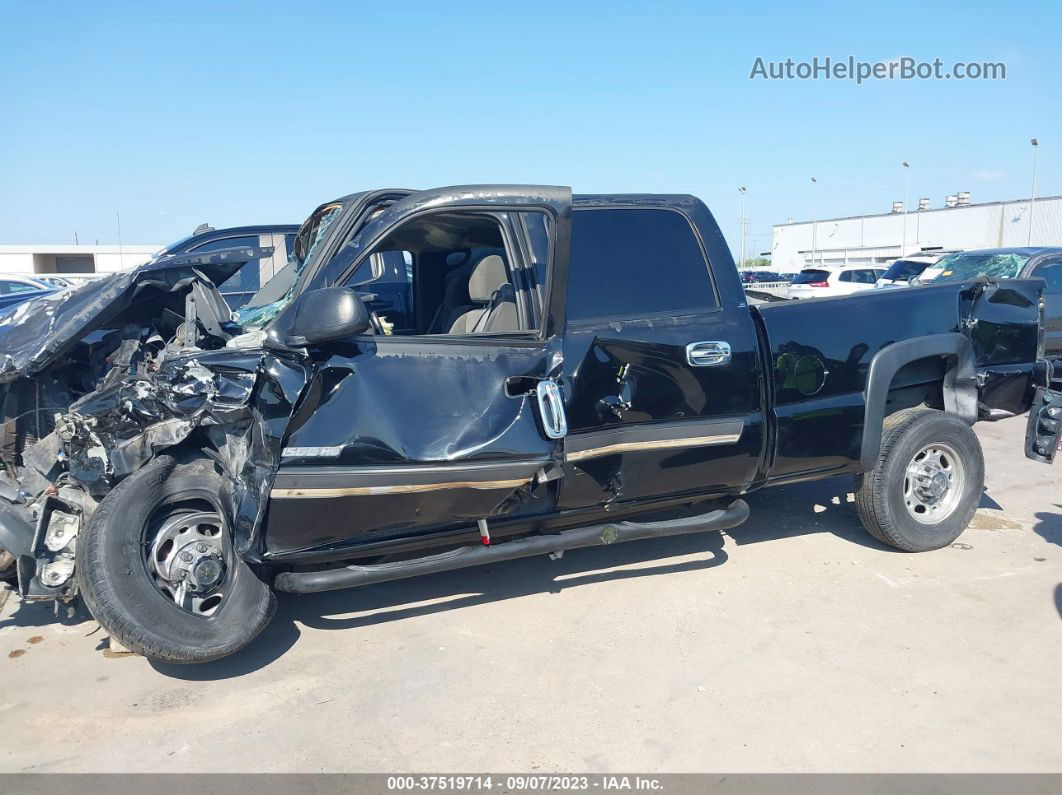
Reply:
x=959, y=388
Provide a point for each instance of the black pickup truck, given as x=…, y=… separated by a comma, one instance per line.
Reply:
x=565, y=371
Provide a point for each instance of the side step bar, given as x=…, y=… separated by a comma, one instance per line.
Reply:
x=463, y=557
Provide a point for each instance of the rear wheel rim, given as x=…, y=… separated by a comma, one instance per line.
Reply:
x=934, y=483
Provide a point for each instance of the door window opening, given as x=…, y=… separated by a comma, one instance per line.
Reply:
x=443, y=273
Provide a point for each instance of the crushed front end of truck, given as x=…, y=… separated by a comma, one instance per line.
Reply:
x=97, y=382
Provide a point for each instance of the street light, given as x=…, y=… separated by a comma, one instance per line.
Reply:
x=1032, y=198
x=741, y=231
x=906, y=198
x=814, y=222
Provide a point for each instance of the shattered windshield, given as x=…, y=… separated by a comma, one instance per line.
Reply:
x=277, y=292
x=960, y=267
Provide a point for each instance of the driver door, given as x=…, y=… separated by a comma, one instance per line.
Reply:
x=406, y=434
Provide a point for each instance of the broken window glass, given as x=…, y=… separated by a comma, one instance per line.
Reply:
x=263, y=307
x=960, y=267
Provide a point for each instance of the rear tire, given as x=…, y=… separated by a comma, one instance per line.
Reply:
x=925, y=488
x=121, y=590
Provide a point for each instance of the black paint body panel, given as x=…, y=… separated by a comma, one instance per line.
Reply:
x=820, y=425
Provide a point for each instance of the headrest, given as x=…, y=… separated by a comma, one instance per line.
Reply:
x=488, y=275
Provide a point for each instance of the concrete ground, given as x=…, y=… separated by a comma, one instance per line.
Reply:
x=792, y=643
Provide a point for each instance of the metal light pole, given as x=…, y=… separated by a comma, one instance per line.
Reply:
x=741, y=262
x=1032, y=198
x=814, y=222
x=745, y=239
x=906, y=198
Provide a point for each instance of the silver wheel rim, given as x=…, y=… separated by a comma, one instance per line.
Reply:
x=187, y=561
x=933, y=483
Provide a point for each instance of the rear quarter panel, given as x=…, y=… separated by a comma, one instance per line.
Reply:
x=820, y=352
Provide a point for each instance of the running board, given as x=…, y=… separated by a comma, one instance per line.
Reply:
x=463, y=557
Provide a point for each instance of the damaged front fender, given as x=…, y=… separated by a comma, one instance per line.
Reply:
x=235, y=403
x=97, y=381
x=110, y=433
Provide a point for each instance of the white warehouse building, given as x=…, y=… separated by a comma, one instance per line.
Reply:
x=877, y=239
x=27, y=260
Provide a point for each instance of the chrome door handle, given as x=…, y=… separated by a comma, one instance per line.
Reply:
x=708, y=354
x=551, y=409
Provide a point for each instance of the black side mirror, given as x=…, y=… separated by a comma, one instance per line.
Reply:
x=329, y=313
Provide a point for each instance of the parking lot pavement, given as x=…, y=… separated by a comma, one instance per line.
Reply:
x=794, y=642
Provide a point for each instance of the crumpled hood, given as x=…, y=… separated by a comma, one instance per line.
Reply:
x=36, y=333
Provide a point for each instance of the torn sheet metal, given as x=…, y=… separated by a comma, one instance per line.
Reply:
x=109, y=433
x=36, y=333
x=253, y=449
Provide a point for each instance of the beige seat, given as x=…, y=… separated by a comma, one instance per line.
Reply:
x=455, y=298
x=493, y=300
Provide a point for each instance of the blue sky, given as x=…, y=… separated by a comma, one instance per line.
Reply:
x=175, y=114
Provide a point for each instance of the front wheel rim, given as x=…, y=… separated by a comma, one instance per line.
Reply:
x=934, y=483
x=186, y=561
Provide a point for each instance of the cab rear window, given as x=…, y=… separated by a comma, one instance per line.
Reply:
x=635, y=262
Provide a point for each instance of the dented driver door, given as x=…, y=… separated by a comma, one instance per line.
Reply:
x=418, y=434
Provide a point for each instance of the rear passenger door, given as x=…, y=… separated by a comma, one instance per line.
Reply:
x=856, y=279
x=848, y=281
x=662, y=382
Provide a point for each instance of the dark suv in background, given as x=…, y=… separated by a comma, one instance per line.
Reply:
x=759, y=277
x=247, y=281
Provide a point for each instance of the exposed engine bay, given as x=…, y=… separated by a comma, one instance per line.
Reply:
x=95, y=382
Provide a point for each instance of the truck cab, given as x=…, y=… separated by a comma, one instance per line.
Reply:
x=661, y=385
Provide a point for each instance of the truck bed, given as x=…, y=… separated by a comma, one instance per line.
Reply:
x=819, y=352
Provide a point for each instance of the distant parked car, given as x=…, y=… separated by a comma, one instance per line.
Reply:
x=831, y=282
x=756, y=277
x=18, y=289
x=1014, y=263
x=52, y=280
x=238, y=289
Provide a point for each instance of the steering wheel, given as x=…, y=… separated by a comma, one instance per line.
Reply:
x=375, y=320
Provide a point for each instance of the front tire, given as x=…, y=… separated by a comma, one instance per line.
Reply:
x=8, y=567
x=925, y=488
x=204, y=604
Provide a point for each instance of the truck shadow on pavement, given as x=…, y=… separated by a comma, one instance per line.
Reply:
x=783, y=512
x=1049, y=527
x=819, y=507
